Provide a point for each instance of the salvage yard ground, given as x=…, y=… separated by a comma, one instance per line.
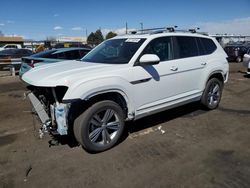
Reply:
x=183, y=147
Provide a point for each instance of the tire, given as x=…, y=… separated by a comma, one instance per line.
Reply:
x=100, y=127
x=212, y=94
x=238, y=59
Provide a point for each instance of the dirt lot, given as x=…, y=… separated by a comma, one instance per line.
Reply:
x=183, y=147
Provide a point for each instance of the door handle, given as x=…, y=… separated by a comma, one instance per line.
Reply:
x=174, y=68
x=203, y=63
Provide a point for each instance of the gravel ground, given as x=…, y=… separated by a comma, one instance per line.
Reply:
x=182, y=147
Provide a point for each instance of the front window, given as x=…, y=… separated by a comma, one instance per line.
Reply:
x=114, y=51
x=162, y=47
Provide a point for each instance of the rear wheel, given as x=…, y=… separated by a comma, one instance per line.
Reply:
x=100, y=127
x=212, y=94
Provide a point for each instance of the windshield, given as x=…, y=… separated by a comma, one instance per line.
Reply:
x=114, y=51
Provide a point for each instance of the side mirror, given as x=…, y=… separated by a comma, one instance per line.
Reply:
x=149, y=59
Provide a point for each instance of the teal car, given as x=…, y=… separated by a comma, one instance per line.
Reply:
x=51, y=56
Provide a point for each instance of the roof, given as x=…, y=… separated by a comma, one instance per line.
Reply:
x=153, y=35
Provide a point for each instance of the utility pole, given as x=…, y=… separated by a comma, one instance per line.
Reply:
x=126, y=28
x=141, y=27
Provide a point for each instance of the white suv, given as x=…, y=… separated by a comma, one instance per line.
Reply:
x=126, y=78
x=10, y=46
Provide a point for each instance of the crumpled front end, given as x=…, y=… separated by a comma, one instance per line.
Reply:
x=47, y=104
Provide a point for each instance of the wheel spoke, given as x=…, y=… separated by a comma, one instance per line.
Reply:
x=95, y=134
x=105, y=136
x=211, y=100
x=113, y=125
x=215, y=89
x=108, y=115
x=96, y=120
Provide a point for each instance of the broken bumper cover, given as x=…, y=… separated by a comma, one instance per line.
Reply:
x=59, y=113
x=38, y=107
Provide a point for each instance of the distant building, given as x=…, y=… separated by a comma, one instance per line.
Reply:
x=224, y=39
x=72, y=39
x=11, y=40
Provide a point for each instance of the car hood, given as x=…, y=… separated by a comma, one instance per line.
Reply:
x=66, y=73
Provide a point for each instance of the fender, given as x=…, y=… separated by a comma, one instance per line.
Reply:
x=85, y=90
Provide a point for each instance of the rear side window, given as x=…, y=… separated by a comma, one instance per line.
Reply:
x=186, y=47
x=208, y=45
x=44, y=54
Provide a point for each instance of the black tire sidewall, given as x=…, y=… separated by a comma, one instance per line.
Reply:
x=81, y=126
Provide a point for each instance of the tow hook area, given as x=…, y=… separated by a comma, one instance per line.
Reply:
x=55, y=122
x=44, y=129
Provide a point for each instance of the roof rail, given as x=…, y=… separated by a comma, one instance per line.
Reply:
x=166, y=29
x=154, y=30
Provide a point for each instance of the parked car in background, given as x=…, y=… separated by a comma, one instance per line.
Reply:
x=30, y=47
x=71, y=45
x=246, y=61
x=12, y=57
x=10, y=46
x=236, y=51
x=52, y=56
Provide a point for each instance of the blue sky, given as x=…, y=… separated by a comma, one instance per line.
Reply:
x=40, y=19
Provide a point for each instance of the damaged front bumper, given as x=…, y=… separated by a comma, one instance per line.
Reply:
x=56, y=121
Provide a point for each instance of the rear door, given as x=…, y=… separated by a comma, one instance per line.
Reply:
x=191, y=63
x=174, y=79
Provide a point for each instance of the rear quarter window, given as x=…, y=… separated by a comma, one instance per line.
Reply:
x=209, y=45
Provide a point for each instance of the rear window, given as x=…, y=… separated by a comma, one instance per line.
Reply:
x=57, y=54
x=24, y=52
x=44, y=54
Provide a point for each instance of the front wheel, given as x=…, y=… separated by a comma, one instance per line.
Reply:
x=212, y=94
x=99, y=127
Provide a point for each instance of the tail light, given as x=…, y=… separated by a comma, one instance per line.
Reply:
x=33, y=62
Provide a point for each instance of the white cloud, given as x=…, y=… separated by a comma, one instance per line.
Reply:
x=239, y=26
x=77, y=29
x=2, y=24
x=57, y=28
x=56, y=15
x=10, y=21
